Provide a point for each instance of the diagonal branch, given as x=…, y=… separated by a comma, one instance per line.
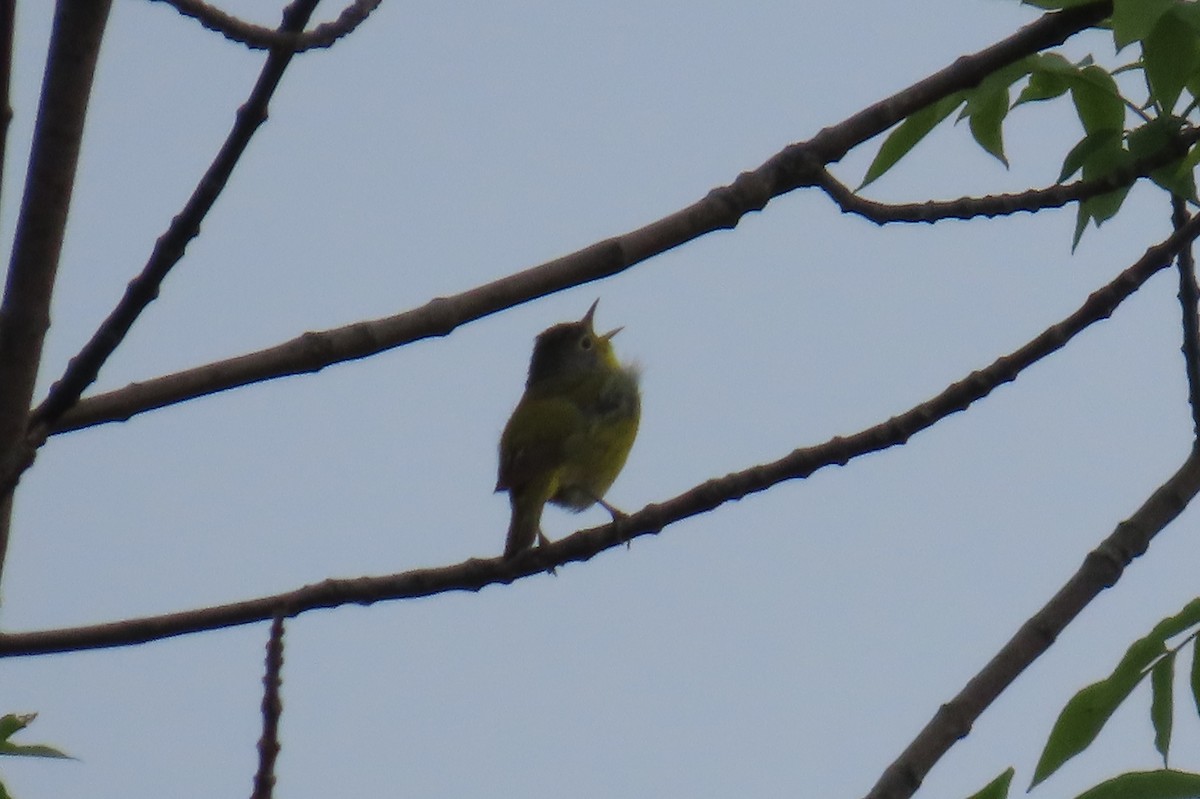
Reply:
x=474, y=574
x=1189, y=300
x=42, y=223
x=796, y=166
x=257, y=37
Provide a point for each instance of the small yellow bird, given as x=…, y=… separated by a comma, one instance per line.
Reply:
x=570, y=434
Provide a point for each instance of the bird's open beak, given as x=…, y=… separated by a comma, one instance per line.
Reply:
x=587, y=317
x=587, y=320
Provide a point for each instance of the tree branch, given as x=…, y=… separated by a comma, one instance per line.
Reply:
x=272, y=707
x=994, y=205
x=474, y=574
x=42, y=223
x=257, y=37
x=797, y=165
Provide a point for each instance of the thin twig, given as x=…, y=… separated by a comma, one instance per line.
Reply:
x=1189, y=300
x=257, y=37
x=475, y=574
x=995, y=205
x=272, y=707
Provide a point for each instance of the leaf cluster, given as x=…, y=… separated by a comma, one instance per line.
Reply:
x=1119, y=132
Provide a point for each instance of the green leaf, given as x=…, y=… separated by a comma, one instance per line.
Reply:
x=1151, y=138
x=32, y=750
x=1081, y=220
x=1195, y=676
x=1171, y=54
x=1189, y=14
x=908, y=133
x=1081, y=721
x=1086, y=713
x=1167, y=628
x=1087, y=150
x=1097, y=101
x=997, y=788
x=1163, y=784
x=1057, y=63
x=1042, y=86
x=987, y=120
x=1162, y=701
x=1146, y=140
x=4, y=794
x=14, y=722
x=987, y=106
x=1101, y=208
x=1105, y=206
x=1134, y=19
x=1177, y=178
x=1048, y=78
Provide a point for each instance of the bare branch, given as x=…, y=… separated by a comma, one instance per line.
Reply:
x=272, y=707
x=1189, y=300
x=474, y=574
x=42, y=223
x=798, y=165
x=994, y=205
x=257, y=37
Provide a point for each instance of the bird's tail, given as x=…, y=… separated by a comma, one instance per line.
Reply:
x=526, y=523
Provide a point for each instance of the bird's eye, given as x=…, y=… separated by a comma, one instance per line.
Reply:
x=585, y=343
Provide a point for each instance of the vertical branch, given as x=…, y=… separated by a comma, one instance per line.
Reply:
x=8, y=13
x=41, y=225
x=272, y=706
x=1189, y=299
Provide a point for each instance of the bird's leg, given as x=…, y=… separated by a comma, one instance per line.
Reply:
x=616, y=513
x=545, y=542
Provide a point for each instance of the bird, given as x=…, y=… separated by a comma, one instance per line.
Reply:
x=572, y=430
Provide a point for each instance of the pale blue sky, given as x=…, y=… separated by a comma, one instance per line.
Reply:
x=789, y=644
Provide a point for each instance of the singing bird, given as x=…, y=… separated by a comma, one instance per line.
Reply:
x=572, y=430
